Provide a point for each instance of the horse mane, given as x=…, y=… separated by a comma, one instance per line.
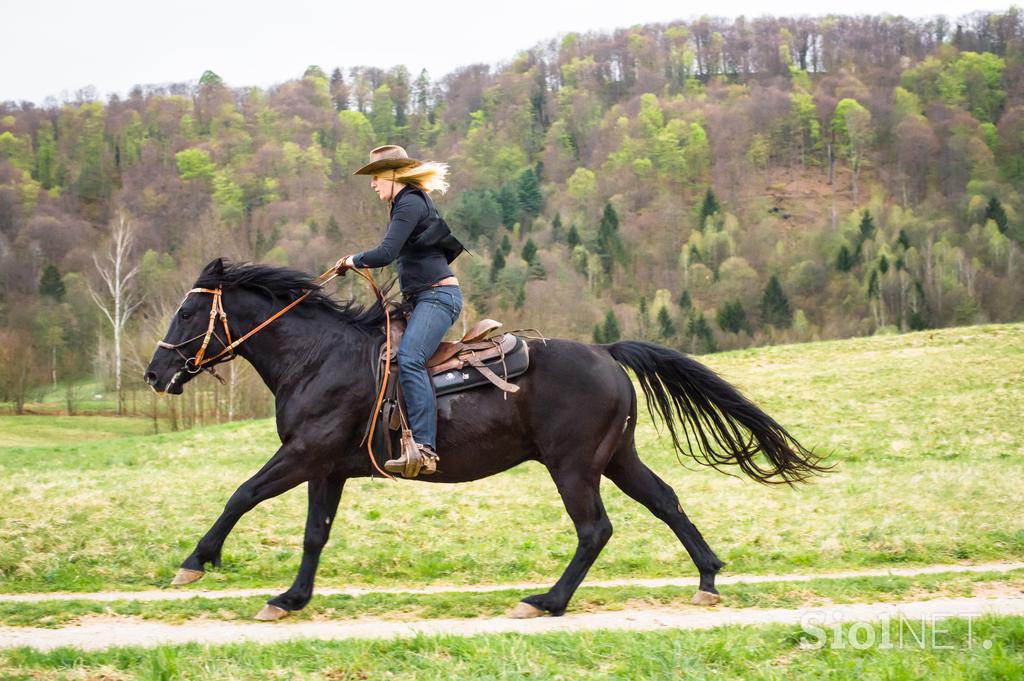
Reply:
x=285, y=285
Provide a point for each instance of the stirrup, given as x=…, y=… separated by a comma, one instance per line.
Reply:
x=415, y=459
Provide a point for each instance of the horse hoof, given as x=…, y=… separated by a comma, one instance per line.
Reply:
x=187, y=576
x=706, y=598
x=524, y=611
x=271, y=613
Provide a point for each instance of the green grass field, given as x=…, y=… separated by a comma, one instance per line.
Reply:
x=768, y=653
x=924, y=429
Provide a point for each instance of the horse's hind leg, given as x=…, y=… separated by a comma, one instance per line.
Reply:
x=634, y=478
x=582, y=500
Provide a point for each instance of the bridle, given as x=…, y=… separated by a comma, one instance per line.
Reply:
x=196, y=363
x=200, y=362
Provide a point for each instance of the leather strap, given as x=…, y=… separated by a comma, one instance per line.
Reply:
x=491, y=376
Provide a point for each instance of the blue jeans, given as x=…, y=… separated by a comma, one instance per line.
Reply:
x=435, y=310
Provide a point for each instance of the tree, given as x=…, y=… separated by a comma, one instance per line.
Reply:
x=556, y=227
x=529, y=252
x=421, y=95
x=46, y=156
x=195, y=164
x=609, y=246
x=51, y=284
x=731, y=317
x=866, y=226
x=708, y=207
x=382, y=116
x=844, y=259
x=702, y=339
x=572, y=239
x=508, y=199
x=852, y=124
x=994, y=211
x=775, y=306
x=666, y=327
x=642, y=317
x=339, y=90
x=530, y=199
x=121, y=297
x=611, y=333
x=497, y=264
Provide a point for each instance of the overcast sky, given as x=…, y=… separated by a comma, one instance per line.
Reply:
x=55, y=47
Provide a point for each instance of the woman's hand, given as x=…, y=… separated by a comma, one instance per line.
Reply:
x=344, y=263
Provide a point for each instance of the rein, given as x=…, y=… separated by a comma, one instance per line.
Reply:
x=199, y=362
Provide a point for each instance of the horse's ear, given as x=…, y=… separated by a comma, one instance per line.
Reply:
x=215, y=268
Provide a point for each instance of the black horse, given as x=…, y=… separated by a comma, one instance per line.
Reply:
x=575, y=413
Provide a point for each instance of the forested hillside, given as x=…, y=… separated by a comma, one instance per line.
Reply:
x=707, y=184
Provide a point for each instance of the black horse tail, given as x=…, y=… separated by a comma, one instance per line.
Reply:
x=728, y=428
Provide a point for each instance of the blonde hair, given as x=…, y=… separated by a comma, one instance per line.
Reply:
x=428, y=176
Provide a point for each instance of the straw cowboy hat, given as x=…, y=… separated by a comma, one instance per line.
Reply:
x=387, y=157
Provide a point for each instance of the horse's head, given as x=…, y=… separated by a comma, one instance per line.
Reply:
x=174, y=362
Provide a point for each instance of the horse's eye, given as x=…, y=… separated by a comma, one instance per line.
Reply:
x=184, y=315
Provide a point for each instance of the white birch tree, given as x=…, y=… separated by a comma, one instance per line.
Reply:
x=119, y=297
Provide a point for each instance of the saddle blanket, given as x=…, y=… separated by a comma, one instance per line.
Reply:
x=515, y=363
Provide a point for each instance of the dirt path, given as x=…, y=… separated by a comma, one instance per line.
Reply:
x=98, y=634
x=186, y=593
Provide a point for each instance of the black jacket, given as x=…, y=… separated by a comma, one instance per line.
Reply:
x=419, y=264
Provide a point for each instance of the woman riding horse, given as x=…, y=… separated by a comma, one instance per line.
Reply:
x=423, y=248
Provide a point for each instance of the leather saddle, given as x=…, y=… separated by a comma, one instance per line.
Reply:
x=479, y=358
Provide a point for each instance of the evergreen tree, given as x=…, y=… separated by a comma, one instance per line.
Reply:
x=709, y=207
x=775, y=306
x=50, y=284
x=883, y=264
x=873, y=285
x=702, y=339
x=903, y=240
x=666, y=327
x=867, y=226
x=642, y=319
x=573, y=237
x=556, y=228
x=844, y=260
x=497, y=264
x=46, y=156
x=731, y=317
x=609, y=246
x=529, y=252
x=611, y=333
x=339, y=90
x=508, y=199
x=506, y=245
x=421, y=95
x=609, y=219
x=694, y=254
x=684, y=300
x=530, y=199
x=995, y=211
x=598, y=334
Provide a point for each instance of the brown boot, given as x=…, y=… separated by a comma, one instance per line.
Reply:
x=415, y=459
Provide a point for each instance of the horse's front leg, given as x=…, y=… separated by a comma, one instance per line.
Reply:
x=282, y=472
x=324, y=494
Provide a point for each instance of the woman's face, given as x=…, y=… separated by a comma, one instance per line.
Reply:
x=386, y=189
